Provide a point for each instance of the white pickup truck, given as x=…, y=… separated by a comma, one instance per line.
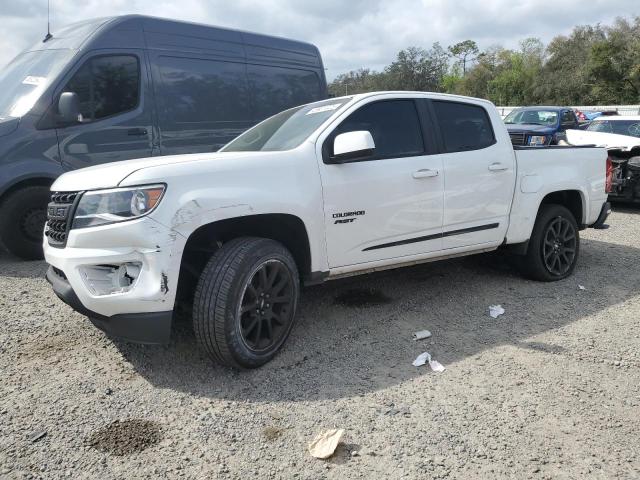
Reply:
x=339, y=187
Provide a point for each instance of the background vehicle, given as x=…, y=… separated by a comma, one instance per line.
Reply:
x=617, y=125
x=341, y=187
x=539, y=126
x=128, y=87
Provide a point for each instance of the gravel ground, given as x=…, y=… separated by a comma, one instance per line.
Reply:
x=548, y=390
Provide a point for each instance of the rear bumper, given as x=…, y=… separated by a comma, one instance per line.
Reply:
x=605, y=211
x=152, y=327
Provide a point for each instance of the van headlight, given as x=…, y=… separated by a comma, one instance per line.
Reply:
x=101, y=207
x=537, y=140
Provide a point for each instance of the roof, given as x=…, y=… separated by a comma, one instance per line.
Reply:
x=618, y=118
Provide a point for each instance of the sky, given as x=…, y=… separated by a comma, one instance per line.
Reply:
x=350, y=33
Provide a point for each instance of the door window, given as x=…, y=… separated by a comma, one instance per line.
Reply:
x=106, y=86
x=393, y=124
x=463, y=126
x=568, y=117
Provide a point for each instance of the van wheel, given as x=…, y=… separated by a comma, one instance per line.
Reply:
x=22, y=217
x=245, y=302
x=554, y=245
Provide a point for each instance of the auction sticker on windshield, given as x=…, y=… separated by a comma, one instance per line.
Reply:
x=32, y=80
x=325, y=108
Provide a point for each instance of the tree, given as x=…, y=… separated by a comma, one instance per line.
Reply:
x=464, y=52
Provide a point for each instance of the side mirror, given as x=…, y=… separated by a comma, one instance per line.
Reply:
x=69, y=107
x=353, y=146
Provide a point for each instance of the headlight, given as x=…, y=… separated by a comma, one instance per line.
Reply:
x=537, y=140
x=101, y=207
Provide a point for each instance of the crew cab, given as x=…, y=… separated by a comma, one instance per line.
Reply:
x=540, y=126
x=339, y=187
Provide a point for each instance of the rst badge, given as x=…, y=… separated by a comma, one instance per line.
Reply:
x=347, y=217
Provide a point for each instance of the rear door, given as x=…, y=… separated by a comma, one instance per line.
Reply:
x=479, y=174
x=116, y=113
x=389, y=205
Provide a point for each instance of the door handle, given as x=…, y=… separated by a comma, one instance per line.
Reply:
x=497, y=167
x=137, y=132
x=425, y=173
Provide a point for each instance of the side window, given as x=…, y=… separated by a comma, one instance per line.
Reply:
x=463, y=126
x=393, y=124
x=196, y=91
x=106, y=86
x=275, y=89
x=568, y=117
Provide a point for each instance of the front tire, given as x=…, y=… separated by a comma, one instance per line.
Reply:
x=22, y=217
x=554, y=245
x=245, y=302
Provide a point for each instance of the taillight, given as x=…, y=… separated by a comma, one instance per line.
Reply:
x=608, y=186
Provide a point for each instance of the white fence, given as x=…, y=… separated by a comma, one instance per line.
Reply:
x=621, y=109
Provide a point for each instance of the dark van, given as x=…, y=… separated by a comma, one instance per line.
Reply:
x=127, y=87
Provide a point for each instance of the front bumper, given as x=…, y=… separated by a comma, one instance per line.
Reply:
x=141, y=313
x=153, y=327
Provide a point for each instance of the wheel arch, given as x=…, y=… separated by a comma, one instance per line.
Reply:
x=573, y=200
x=287, y=229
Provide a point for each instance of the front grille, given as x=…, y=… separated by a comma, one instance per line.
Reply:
x=518, y=139
x=59, y=216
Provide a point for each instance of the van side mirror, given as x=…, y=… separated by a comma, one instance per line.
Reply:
x=352, y=146
x=69, y=107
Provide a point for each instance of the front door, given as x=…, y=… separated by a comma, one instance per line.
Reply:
x=389, y=205
x=115, y=121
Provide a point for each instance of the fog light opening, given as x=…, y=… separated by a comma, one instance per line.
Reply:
x=110, y=279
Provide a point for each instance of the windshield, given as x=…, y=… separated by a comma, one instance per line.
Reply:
x=26, y=77
x=532, y=117
x=620, y=127
x=287, y=129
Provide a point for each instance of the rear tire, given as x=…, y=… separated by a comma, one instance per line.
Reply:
x=22, y=217
x=245, y=302
x=554, y=245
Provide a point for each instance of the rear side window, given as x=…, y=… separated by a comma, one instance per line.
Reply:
x=463, y=126
x=393, y=124
x=106, y=86
x=568, y=117
x=195, y=91
x=275, y=89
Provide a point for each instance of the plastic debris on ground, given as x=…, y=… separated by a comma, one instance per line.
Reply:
x=421, y=335
x=581, y=287
x=495, y=311
x=325, y=443
x=426, y=358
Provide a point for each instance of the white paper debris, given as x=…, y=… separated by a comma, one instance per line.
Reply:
x=422, y=359
x=426, y=358
x=581, y=287
x=436, y=366
x=421, y=335
x=496, y=310
x=326, y=108
x=325, y=443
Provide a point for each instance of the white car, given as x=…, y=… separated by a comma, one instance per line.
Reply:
x=339, y=187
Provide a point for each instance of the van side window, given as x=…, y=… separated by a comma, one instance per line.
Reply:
x=393, y=124
x=275, y=88
x=106, y=85
x=196, y=91
x=463, y=126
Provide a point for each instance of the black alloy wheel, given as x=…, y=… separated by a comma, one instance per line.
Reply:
x=559, y=247
x=267, y=303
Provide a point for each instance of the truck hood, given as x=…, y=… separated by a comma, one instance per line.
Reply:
x=538, y=129
x=600, y=139
x=110, y=175
x=8, y=125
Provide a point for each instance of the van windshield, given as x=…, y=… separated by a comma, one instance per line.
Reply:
x=26, y=77
x=287, y=129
